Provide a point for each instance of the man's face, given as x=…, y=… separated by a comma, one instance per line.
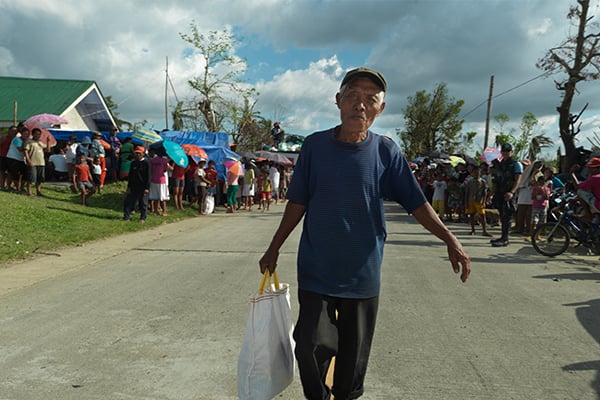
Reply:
x=360, y=104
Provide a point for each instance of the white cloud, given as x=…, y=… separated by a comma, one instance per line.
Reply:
x=541, y=28
x=298, y=51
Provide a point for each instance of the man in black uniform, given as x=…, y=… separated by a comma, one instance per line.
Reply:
x=507, y=176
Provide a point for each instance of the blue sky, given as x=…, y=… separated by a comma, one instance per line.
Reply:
x=297, y=52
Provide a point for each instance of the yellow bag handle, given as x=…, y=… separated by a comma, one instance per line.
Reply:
x=267, y=278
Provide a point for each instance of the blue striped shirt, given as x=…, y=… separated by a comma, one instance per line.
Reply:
x=343, y=185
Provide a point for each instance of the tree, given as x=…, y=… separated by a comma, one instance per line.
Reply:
x=184, y=118
x=431, y=123
x=216, y=49
x=112, y=106
x=248, y=132
x=578, y=56
x=529, y=143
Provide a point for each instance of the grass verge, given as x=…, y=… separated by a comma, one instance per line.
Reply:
x=31, y=225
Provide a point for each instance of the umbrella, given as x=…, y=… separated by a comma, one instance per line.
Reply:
x=195, y=151
x=275, y=157
x=234, y=166
x=436, y=154
x=45, y=120
x=46, y=135
x=147, y=136
x=173, y=150
x=490, y=154
x=455, y=160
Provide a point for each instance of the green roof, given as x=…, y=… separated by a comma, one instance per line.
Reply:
x=38, y=96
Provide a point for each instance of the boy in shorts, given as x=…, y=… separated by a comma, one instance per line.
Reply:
x=83, y=179
x=475, y=195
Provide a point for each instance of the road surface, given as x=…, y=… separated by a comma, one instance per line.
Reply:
x=160, y=315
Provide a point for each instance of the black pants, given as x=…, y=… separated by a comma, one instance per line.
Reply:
x=131, y=199
x=506, y=208
x=320, y=335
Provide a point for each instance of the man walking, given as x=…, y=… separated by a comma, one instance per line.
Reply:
x=338, y=186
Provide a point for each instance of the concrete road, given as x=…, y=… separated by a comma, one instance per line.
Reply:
x=160, y=315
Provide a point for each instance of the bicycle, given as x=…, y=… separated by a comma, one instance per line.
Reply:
x=553, y=238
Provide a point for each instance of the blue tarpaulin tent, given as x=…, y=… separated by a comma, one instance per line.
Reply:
x=216, y=144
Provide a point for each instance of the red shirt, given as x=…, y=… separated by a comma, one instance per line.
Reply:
x=178, y=172
x=82, y=172
x=5, y=145
x=211, y=175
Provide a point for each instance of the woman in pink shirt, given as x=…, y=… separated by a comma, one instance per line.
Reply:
x=159, y=187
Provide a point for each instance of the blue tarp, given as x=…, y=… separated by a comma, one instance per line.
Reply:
x=216, y=144
x=215, y=152
x=209, y=138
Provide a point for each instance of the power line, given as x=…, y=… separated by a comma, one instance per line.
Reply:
x=508, y=91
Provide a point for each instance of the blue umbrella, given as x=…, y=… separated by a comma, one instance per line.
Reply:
x=173, y=150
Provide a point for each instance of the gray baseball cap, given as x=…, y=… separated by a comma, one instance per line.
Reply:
x=365, y=72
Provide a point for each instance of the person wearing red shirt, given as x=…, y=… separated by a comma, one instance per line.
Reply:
x=178, y=183
x=83, y=178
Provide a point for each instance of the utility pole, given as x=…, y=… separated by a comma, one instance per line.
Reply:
x=487, y=115
x=166, y=87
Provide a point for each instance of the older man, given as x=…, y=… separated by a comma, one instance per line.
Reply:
x=338, y=186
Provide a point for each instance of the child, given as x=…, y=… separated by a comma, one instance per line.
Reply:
x=97, y=173
x=266, y=189
x=539, y=196
x=454, y=198
x=476, y=195
x=83, y=178
x=439, y=194
x=201, y=188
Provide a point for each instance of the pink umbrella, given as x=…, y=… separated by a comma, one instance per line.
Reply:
x=45, y=120
x=490, y=154
x=46, y=138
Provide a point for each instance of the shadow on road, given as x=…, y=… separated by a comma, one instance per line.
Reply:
x=588, y=314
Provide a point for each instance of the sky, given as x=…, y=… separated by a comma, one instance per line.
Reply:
x=296, y=53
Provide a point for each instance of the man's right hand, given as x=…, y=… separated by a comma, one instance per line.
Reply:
x=268, y=261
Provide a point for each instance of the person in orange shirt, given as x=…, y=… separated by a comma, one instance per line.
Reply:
x=83, y=178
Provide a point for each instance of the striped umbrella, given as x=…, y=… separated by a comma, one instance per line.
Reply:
x=146, y=136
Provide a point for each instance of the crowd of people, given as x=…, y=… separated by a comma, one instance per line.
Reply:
x=514, y=194
x=153, y=180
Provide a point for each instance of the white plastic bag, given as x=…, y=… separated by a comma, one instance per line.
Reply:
x=209, y=204
x=266, y=362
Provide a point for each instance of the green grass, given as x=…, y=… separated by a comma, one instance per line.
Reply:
x=30, y=225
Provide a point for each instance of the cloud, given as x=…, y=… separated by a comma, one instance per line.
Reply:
x=296, y=53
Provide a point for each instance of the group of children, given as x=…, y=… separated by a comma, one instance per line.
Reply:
x=466, y=191
x=263, y=185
